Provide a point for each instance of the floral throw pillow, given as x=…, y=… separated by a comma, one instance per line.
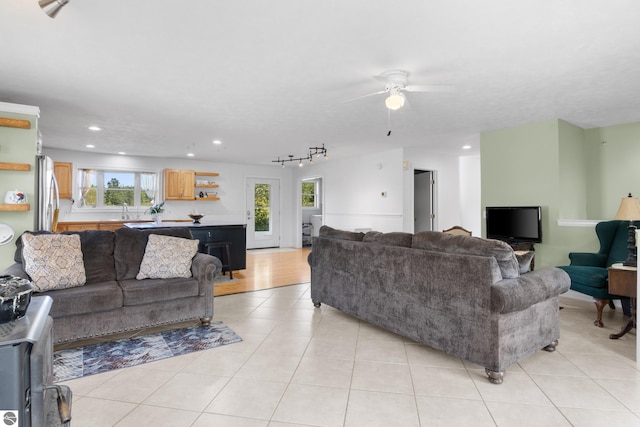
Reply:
x=167, y=257
x=53, y=261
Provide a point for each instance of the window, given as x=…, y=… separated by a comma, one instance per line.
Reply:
x=106, y=188
x=309, y=194
x=262, y=211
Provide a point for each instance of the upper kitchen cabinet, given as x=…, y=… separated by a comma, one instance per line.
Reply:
x=63, y=171
x=179, y=184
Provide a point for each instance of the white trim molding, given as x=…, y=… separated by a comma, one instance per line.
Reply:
x=19, y=109
x=579, y=222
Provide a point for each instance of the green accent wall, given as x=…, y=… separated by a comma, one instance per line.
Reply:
x=573, y=173
x=17, y=146
x=614, y=171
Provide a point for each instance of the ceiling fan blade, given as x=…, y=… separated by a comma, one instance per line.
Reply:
x=429, y=88
x=364, y=96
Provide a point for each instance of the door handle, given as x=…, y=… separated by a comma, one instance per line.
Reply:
x=248, y=214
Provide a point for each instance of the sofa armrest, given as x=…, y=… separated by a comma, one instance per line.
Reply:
x=205, y=268
x=15, y=270
x=587, y=258
x=509, y=295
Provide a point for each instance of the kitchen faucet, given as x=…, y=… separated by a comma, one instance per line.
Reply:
x=125, y=211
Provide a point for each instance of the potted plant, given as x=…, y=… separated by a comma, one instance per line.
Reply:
x=155, y=211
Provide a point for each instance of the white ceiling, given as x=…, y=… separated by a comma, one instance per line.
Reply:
x=269, y=78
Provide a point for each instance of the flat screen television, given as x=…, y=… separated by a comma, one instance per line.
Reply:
x=514, y=224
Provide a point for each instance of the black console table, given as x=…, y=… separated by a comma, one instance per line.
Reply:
x=236, y=234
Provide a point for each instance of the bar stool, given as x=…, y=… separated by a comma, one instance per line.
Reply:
x=226, y=255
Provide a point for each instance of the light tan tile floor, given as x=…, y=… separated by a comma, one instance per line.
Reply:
x=300, y=366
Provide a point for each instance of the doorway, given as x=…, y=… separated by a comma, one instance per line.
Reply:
x=424, y=185
x=310, y=202
x=263, y=213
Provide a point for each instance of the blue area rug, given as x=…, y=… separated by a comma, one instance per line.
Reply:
x=102, y=357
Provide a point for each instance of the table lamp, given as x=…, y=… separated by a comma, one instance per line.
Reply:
x=629, y=210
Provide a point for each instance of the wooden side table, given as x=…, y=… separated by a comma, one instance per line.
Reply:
x=622, y=281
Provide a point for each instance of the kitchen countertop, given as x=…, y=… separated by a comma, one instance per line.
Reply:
x=103, y=221
x=164, y=224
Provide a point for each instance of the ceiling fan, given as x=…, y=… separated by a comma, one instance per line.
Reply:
x=395, y=82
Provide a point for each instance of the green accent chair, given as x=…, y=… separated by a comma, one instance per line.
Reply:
x=588, y=271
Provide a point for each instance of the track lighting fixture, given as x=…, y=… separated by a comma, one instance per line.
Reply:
x=313, y=152
x=52, y=7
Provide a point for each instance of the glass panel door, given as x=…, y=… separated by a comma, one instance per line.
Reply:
x=263, y=213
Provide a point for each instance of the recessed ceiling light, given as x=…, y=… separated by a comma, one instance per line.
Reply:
x=121, y=152
x=217, y=142
x=190, y=154
x=95, y=128
x=466, y=147
x=90, y=146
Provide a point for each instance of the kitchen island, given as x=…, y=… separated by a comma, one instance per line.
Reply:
x=211, y=232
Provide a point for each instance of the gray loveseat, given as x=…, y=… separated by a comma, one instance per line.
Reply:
x=463, y=295
x=113, y=300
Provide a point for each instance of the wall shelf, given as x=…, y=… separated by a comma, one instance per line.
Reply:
x=15, y=166
x=14, y=208
x=206, y=184
x=15, y=123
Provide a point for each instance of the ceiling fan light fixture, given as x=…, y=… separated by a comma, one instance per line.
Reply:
x=395, y=101
x=52, y=7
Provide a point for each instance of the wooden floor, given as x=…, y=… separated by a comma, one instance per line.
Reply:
x=268, y=268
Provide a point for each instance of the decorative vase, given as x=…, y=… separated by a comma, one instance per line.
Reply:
x=156, y=218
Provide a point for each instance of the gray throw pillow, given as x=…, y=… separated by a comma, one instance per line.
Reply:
x=524, y=260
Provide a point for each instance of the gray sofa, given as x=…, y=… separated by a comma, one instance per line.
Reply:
x=467, y=296
x=113, y=300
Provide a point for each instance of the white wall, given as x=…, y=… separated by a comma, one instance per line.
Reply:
x=471, y=215
x=455, y=180
x=353, y=190
x=231, y=206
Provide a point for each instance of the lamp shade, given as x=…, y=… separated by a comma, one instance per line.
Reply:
x=52, y=7
x=395, y=101
x=629, y=209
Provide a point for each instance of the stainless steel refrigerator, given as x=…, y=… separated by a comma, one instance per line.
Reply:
x=47, y=196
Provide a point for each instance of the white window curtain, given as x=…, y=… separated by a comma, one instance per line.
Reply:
x=87, y=180
x=148, y=185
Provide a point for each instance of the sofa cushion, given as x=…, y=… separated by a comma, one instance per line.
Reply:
x=130, y=244
x=93, y=298
x=389, y=239
x=466, y=245
x=97, y=253
x=524, y=260
x=166, y=257
x=138, y=292
x=17, y=255
x=332, y=233
x=53, y=261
